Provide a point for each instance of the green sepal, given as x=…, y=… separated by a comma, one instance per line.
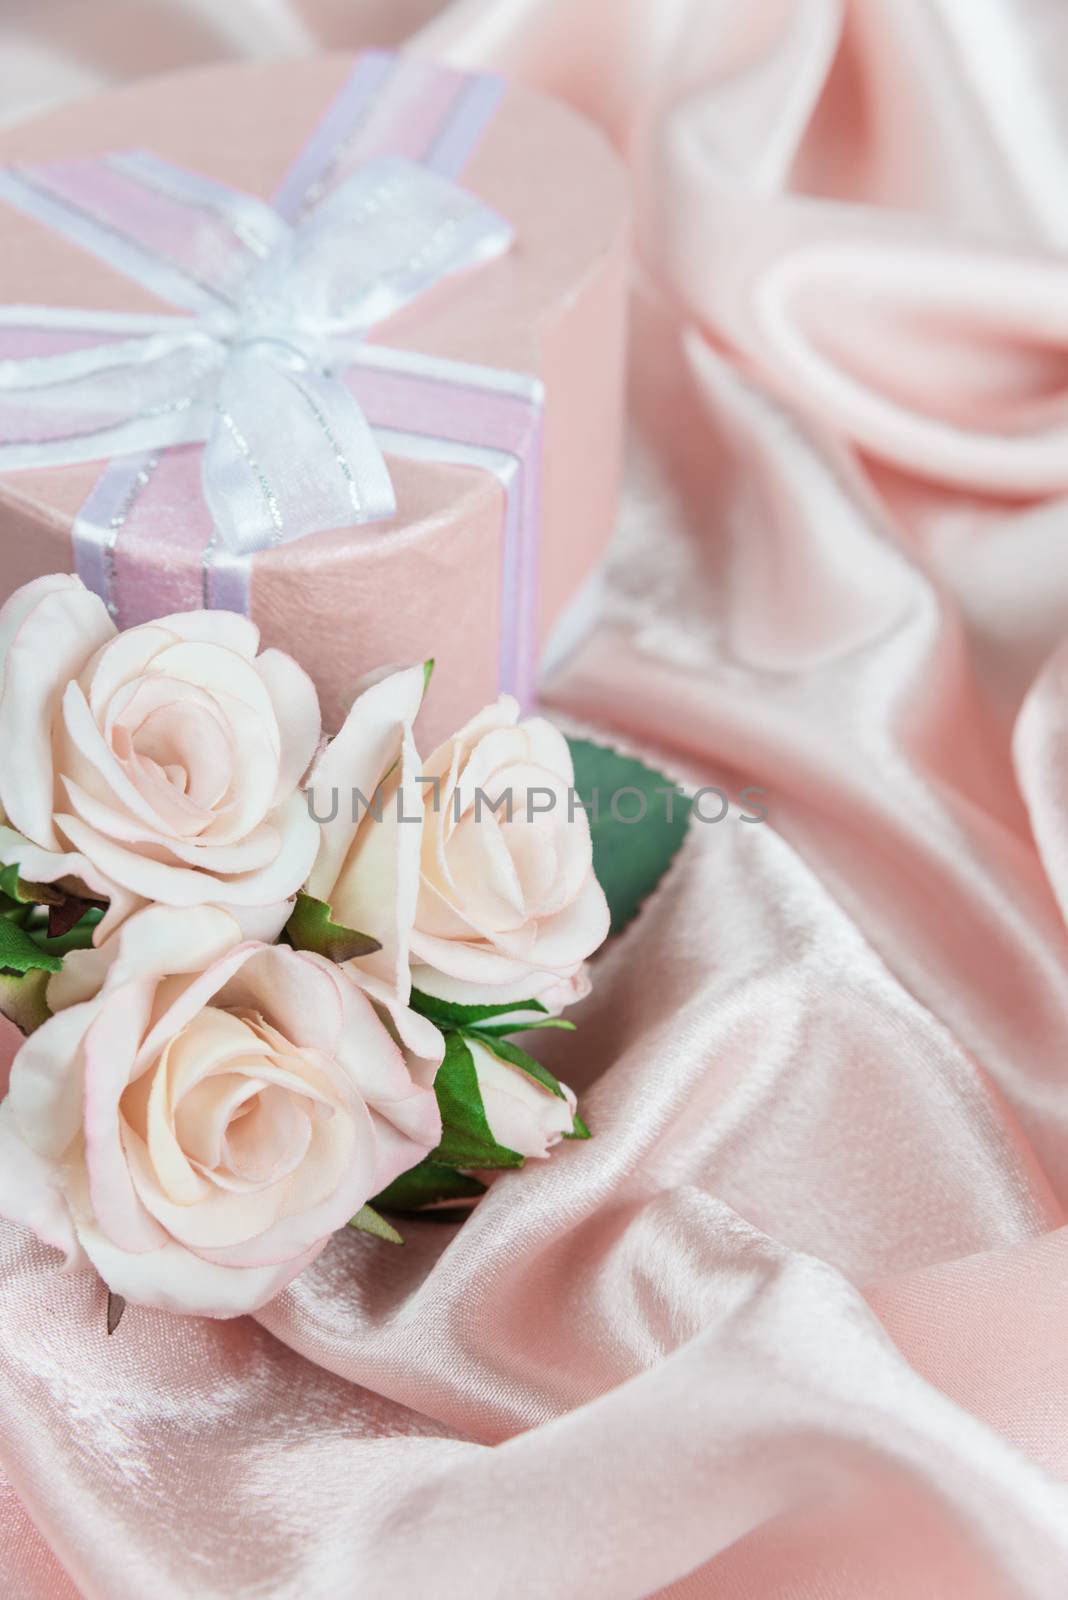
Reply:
x=116, y=1308
x=501, y=1030
x=427, y=1184
x=80, y=937
x=311, y=927
x=33, y=894
x=629, y=857
x=428, y=672
x=451, y=1014
x=580, y=1130
x=452, y=1216
x=466, y=1140
x=20, y=952
x=367, y=1220
x=22, y=998
x=516, y=1057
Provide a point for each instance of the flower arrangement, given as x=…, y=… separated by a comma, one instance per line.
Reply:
x=270, y=984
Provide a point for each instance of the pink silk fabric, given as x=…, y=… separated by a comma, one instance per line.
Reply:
x=793, y=1325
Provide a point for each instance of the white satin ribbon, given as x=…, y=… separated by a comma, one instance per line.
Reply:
x=254, y=370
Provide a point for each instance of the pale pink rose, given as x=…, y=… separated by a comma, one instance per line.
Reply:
x=160, y=764
x=468, y=904
x=522, y=1114
x=509, y=906
x=202, y=1113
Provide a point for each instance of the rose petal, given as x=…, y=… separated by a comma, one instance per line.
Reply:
x=210, y=1042
x=566, y=939
x=548, y=748
x=180, y=1002
x=357, y=1182
x=214, y=668
x=502, y=713
x=123, y=659
x=185, y=886
x=266, y=1145
x=483, y=878
x=536, y=861
x=31, y=1192
x=555, y=993
x=284, y=1219
x=109, y=1049
x=172, y=940
x=495, y=755
x=45, y=1092
x=177, y=1177
x=73, y=870
x=473, y=963
x=365, y=1049
x=262, y=923
x=167, y=723
x=296, y=707
x=173, y=1279
x=396, y=1151
x=405, y=1108
x=299, y=993
x=356, y=761
x=378, y=889
x=17, y=607
x=422, y=1043
x=49, y=646
x=228, y=629
x=257, y=850
x=86, y=760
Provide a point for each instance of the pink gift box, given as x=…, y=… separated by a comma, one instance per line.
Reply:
x=430, y=581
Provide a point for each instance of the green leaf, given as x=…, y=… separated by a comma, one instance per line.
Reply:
x=20, y=952
x=525, y=1063
x=450, y=1014
x=22, y=999
x=310, y=928
x=426, y=1185
x=629, y=856
x=466, y=1140
x=580, y=1130
x=367, y=1220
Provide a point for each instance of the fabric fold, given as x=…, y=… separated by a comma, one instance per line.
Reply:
x=791, y=1322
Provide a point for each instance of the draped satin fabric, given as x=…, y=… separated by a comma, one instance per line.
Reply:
x=792, y=1325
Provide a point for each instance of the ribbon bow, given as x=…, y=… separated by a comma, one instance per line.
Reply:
x=256, y=370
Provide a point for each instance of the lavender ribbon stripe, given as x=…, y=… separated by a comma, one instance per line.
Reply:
x=268, y=373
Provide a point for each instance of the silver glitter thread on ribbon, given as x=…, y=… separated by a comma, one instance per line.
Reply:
x=253, y=373
x=270, y=499
x=101, y=520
